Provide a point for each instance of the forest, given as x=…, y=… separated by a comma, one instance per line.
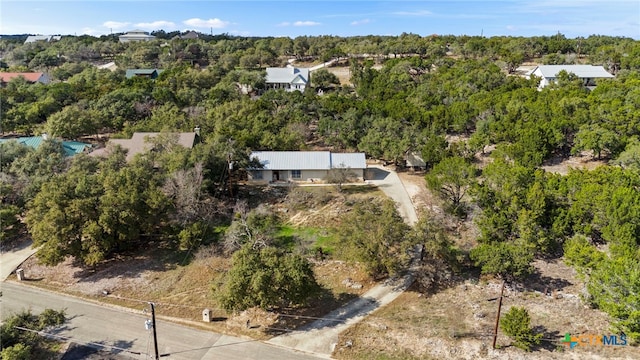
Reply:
x=407, y=93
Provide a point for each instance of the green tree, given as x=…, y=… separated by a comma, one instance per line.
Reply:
x=323, y=79
x=630, y=157
x=267, y=277
x=516, y=323
x=90, y=214
x=510, y=260
x=22, y=344
x=597, y=139
x=451, y=179
x=375, y=235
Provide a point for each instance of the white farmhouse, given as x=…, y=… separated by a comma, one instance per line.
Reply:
x=587, y=73
x=288, y=78
x=136, y=35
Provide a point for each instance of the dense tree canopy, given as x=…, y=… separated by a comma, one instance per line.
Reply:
x=444, y=97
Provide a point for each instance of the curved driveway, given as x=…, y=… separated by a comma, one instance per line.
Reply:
x=321, y=337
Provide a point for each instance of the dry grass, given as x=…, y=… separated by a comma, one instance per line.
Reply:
x=458, y=322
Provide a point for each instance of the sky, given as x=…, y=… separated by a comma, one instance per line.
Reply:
x=573, y=18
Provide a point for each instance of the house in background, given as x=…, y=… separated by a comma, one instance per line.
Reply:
x=587, y=73
x=142, y=142
x=310, y=166
x=136, y=35
x=189, y=35
x=34, y=77
x=288, y=78
x=148, y=73
x=111, y=66
x=45, y=38
x=71, y=148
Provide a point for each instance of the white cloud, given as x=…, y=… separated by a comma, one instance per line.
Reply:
x=360, y=22
x=305, y=23
x=286, y=23
x=158, y=24
x=211, y=23
x=413, y=13
x=115, y=24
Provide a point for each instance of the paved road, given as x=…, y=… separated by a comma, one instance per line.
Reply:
x=91, y=323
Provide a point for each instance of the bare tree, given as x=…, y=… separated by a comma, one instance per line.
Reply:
x=340, y=175
x=246, y=228
x=191, y=202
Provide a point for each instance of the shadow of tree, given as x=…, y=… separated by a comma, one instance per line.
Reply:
x=310, y=318
x=545, y=284
x=100, y=351
x=549, y=341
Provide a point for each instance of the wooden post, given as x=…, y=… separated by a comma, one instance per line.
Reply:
x=495, y=331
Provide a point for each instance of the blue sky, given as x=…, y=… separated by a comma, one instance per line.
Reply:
x=573, y=18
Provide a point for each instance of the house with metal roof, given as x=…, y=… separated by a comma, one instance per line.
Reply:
x=303, y=166
x=32, y=77
x=589, y=74
x=136, y=35
x=142, y=142
x=148, y=73
x=288, y=78
x=45, y=38
x=71, y=148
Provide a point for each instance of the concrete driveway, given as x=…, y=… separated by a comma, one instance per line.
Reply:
x=389, y=182
x=12, y=258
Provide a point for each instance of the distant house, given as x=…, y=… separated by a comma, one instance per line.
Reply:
x=289, y=78
x=136, y=35
x=148, y=73
x=308, y=166
x=34, y=77
x=71, y=148
x=587, y=73
x=189, y=35
x=111, y=66
x=45, y=38
x=139, y=143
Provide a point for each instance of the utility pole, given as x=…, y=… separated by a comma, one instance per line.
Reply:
x=495, y=331
x=153, y=325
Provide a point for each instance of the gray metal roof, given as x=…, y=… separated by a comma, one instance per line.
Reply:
x=581, y=71
x=348, y=160
x=308, y=160
x=286, y=75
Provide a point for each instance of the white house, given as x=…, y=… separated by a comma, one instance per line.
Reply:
x=309, y=166
x=587, y=73
x=45, y=38
x=288, y=78
x=136, y=35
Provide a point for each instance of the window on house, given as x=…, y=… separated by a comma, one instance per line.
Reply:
x=256, y=175
x=296, y=174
